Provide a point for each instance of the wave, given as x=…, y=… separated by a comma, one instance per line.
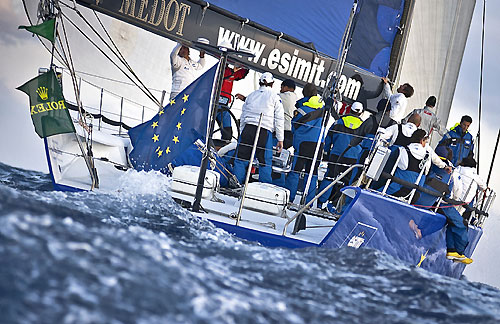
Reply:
x=132, y=255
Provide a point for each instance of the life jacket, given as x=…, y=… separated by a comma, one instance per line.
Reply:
x=306, y=125
x=340, y=135
x=402, y=139
x=438, y=180
x=461, y=144
x=229, y=77
x=411, y=173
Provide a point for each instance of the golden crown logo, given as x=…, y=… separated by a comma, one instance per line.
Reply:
x=43, y=93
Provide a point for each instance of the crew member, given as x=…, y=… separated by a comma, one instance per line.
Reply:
x=368, y=129
x=398, y=100
x=223, y=117
x=471, y=183
x=414, y=159
x=289, y=99
x=456, y=230
x=183, y=68
x=430, y=121
x=459, y=140
x=400, y=134
x=338, y=149
x=262, y=101
x=306, y=127
x=411, y=162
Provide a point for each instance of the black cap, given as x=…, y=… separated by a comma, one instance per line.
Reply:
x=288, y=83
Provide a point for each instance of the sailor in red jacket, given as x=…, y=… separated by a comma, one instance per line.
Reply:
x=223, y=117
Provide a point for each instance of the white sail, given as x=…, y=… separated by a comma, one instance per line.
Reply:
x=436, y=43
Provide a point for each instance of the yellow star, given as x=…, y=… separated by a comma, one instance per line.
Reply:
x=160, y=152
x=167, y=150
x=183, y=110
x=178, y=126
x=155, y=124
x=172, y=102
x=185, y=97
x=157, y=149
x=422, y=258
x=176, y=139
x=161, y=112
x=156, y=138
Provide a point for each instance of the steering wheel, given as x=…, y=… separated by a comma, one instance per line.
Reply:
x=222, y=107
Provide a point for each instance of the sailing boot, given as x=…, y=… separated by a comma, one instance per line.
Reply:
x=457, y=257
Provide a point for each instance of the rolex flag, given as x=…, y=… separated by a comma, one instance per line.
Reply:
x=47, y=106
x=175, y=128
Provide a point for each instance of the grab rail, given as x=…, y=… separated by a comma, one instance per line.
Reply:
x=337, y=179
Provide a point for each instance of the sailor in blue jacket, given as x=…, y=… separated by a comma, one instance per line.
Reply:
x=337, y=147
x=459, y=140
x=306, y=128
x=438, y=179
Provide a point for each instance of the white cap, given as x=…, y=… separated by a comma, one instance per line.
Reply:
x=267, y=76
x=357, y=107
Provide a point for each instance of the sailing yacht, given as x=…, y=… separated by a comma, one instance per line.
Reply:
x=345, y=48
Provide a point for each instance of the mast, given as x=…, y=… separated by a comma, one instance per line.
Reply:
x=225, y=52
x=493, y=159
x=343, y=50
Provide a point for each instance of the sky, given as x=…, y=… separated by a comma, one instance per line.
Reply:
x=22, y=55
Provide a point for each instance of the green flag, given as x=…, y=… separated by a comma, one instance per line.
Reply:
x=48, y=108
x=45, y=29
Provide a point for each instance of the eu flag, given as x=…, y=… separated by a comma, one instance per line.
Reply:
x=175, y=128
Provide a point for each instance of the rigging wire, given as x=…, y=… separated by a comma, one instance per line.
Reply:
x=481, y=84
x=109, y=79
x=147, y=93
x=119, y=56
x=41, y=41
x=71, y=70
x=65, y=70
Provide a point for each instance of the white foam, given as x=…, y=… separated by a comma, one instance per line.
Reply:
x=141, y=183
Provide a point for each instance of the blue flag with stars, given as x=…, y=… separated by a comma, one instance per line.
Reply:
x=175, y=128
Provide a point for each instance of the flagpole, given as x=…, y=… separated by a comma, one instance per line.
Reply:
x=53, y=46
x=224, y=50
x=204, y=161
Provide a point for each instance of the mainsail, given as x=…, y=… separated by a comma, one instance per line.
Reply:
x=434, y=51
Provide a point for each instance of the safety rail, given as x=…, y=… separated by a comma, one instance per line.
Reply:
x=118, y=112
x=306, y=206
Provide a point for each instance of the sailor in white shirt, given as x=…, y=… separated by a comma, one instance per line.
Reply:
x=421, y=151
x=288, y=98
x=400, y=134
x=183, y=68
x=471, y=181
x=430, y=121
x=266, y=102
x=414, y=163
x=398, y=100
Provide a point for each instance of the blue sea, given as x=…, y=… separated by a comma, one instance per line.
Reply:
x=132, y=255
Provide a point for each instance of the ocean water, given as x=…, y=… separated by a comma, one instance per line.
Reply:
x=132, y=255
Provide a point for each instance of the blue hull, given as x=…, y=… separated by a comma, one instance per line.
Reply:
x=403, y=231
x=413, y=235
x=265, y=239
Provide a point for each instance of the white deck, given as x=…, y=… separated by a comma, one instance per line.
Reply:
x=261, y=222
